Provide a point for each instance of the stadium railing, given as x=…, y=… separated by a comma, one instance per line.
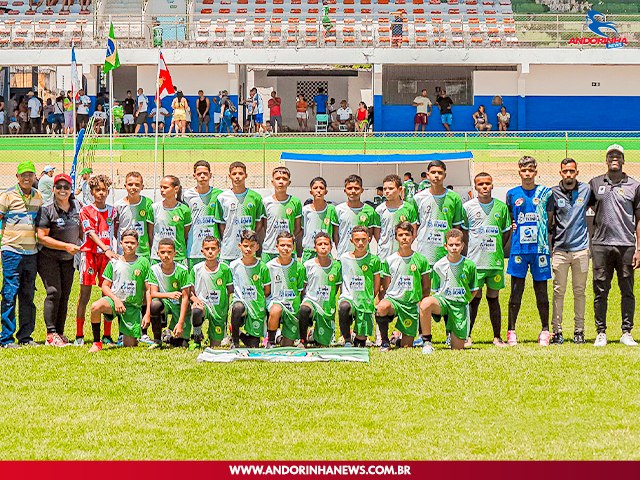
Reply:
x=496, y=152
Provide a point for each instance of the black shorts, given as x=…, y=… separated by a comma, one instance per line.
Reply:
x=83, y=118
x=141, y=119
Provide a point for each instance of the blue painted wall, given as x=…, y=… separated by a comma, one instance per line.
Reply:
x=531, y=113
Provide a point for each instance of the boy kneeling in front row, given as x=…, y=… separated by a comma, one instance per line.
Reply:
x=124, y=289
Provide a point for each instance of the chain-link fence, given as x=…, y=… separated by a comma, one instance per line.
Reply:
x=496, y=153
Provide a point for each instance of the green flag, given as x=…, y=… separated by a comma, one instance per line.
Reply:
x=112, y=60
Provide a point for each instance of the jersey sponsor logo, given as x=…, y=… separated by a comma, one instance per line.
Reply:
x=454, y=291
x=562, y=203
x=602, y=189
x=519, y=202
x=531, y=217
x=60, y=222
x=620, y=191
x=542, y=261
x=244, y=220
x=357, y=283
x=440, y=224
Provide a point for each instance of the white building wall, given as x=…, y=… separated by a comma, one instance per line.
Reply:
x=189, y=79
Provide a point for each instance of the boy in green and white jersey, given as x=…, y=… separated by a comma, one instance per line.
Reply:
x=135, y=212
x=424, y=182
x=283, y=213
x=323, y=278
x=488, y=223
x=124, y=289
x=405, y=282
x=251, y=286
x=212, y=288
x=454, y=284
x=393, y=211
x=360, y=286
x=318, y=216
x=354, y=213
x=172, y=219
x=236, y=210
x=410, y=187
x=199, y=200
x=287, y=284
x=439, y=210
x=170, y=285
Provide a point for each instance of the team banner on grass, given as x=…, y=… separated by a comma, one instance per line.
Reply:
x=286, y=355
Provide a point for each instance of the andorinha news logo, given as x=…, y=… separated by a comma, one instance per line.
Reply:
x=606, y=32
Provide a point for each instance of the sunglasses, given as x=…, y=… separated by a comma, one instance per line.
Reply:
x=63, y=187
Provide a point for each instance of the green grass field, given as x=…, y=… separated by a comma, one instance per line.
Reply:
x=527, y=402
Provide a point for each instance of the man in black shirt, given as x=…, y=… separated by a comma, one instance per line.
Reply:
x=445, y=103
x=128, y=107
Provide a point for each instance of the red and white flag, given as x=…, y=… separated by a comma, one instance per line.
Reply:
x=165, y=84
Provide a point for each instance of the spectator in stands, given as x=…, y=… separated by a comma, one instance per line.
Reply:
x=370, y=110
x=116, y=117
x=320, y=102
x=397, y=28
x=47, y=117
x=35, y=112
x=34, y=5
x=445, y=103
x=23, y=116
x=45, y=183
x=227, y=109
x=84, y=5
x=68, y=114
x=58, y=112
x=179, y=106
x=504, y=118
x=480, y=120
x=423, y=110
x=82, y=109
x=142, y=111
x=99, y=119
x=215, y=108
x=66, y=3
x=14, y=125
x=3, y=117
x=161, y=114
x=332, y=111
x=267, y=127
x=257, y=105
x=345, y=118
x=203, y=106
x=235, y=125
x=275, y=111
x=301, y=113
x=362, y=117
x=187, y=118
x=129, y=107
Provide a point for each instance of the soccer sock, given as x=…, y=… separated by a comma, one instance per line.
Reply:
x=427, y=338
x=473, y=308
x=542, y=301
x=237, y=319
x=79, y=327
x=345, y=319
x=95, y=327
x=107, y=328
x=271, y=336
x=143, y=310
x=495, y=315
x=197, y=319
x=360, y=343
x=304, y=319
x=517, y=289
x=383, y=324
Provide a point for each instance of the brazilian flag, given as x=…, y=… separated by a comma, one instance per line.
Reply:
x=112, y=60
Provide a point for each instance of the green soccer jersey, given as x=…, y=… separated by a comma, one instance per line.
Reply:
x=389, y=218
x=405, y=276
x=170, y=223
x=322, y=285
x=348, y=218
x=203, y=222
x=314, y=221
x=410, y=189
x=128, y=280
x=357, y=280
x=238, y=213
x=456, y=282
x=436, y=215
x=486, y=223
x=248, y=288
x=281, y=217
x=211, y=287
x=135, y=217
x=176, y=281
x=287, y=283
x=423, y=185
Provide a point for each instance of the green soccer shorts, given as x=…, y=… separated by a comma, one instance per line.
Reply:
x=458, y=320
x=129, y=322
x=408, y=315
x=363, y=321
x=172, y=310
x=494, y=279
x=289, y=323
x=324, y=325
x=253, y=324
x=217, y=326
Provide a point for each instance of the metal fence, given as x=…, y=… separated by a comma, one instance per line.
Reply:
x=496, y=153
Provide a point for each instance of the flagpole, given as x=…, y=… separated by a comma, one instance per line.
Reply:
x=113, y=193
x=158, y=106
x=73, y=102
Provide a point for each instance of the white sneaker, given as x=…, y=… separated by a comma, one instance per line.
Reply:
x=427, y=348
x=601, y=340
x=226, y=341
x=146, y=339
x=627, y=339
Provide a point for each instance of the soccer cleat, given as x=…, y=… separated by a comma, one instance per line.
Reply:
x=368, y=343
x=96, y=347
x=269, y=346
x=49, y=341
x=155, y=346
x=418, y=342
x=55, y=340
x=543, y=338
x=226, y=341
x=512, y=338
x=427, y=348
x=79, y=341
x=557, y=339
x=601, y=340
x=166, y=336
x=11, y=345
x=385, y=347
x=627, y=339
x=64, y=339
x=498, y=342
x=447, y=342
x=348, y=345
x=578, y=338
x=29, y=343
x=395, y=338
x=233, y=345
x=146, y=339
x=468, y=342
x=108, y=341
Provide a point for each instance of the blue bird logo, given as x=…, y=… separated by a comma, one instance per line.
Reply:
x=595, y=24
